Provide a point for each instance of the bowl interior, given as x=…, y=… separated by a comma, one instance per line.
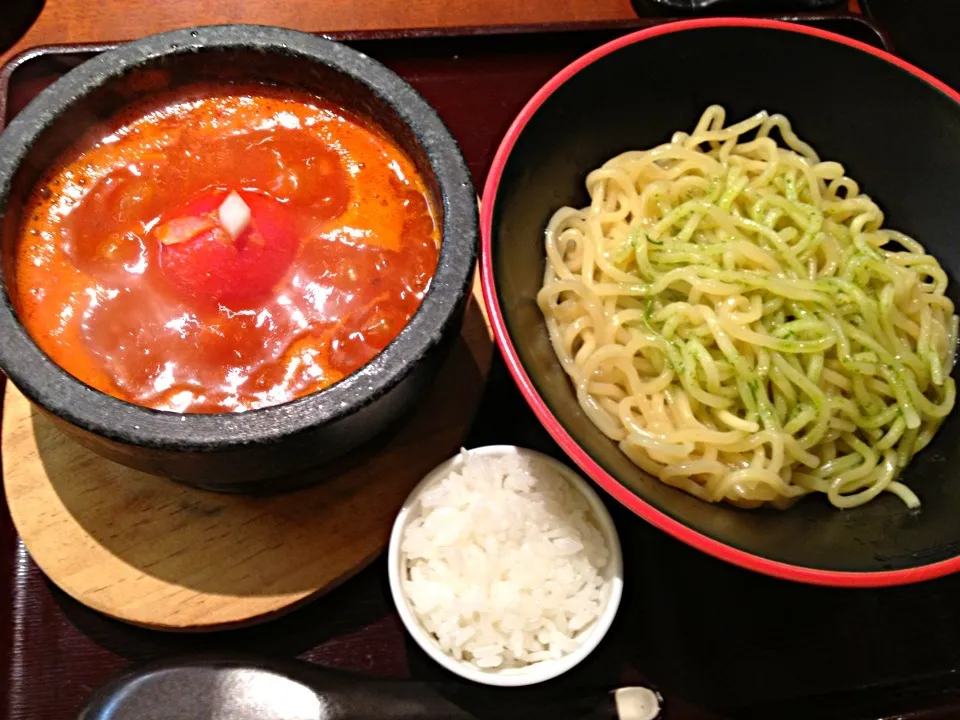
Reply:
x=897, y=135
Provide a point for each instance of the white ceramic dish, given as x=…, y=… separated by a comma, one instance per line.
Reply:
x=537, y=672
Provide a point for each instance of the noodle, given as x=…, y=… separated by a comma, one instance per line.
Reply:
x=732, y=312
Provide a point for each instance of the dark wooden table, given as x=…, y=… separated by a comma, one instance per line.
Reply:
x=719, y=642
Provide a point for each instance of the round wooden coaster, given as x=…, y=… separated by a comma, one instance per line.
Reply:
x=154, y=553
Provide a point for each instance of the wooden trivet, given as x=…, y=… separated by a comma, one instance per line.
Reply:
x=151, y=552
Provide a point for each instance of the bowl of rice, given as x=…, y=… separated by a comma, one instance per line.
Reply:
x=505, y=566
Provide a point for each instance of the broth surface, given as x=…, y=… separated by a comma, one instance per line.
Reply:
x=127, y=277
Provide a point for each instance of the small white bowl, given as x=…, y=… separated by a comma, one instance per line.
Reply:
x=536, y=672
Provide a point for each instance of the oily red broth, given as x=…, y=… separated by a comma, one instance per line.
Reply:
x=130, y=277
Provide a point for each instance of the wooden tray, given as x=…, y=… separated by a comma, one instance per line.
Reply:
x=719, y=642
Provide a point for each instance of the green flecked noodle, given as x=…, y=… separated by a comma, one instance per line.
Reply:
x=733, y=313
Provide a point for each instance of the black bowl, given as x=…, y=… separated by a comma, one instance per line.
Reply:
x=897, y=131
x=243, y=451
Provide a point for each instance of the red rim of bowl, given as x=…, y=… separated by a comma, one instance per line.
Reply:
x=558, y=432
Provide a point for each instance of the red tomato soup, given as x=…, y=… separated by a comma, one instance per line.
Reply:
x=225, y=249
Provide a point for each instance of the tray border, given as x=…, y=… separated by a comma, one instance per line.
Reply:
x=22, y=58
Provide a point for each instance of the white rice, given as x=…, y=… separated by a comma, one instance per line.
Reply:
x=503, y=562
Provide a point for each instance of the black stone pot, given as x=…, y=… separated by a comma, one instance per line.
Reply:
x=244, y=451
